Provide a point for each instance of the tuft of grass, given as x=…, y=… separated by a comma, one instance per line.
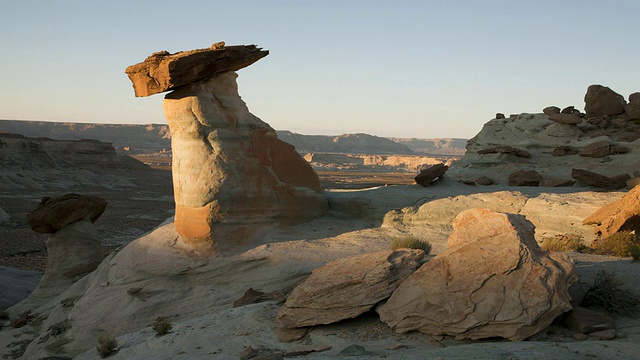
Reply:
x=564, y=242
x=410, y=242
x=161, y=326
x=618, y=244
x=107, y=345
x=608, y=291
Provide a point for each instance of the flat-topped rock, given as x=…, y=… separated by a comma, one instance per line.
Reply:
x=54, y=213
x=163, y=71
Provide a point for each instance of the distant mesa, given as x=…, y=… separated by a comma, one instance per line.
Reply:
x=163, y=71
x=232, y=176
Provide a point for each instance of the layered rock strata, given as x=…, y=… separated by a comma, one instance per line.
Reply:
x=231, y=174
x=494, y=281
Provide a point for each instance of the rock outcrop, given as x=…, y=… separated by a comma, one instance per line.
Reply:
x=344, y=289
x=604, y=138
x=605, y=182
x=231, y=174
x=623, y=214
x=494, y=281
x=163, y=71
x=52, y=214
x=431, y=174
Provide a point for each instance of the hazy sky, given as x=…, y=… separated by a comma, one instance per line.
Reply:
x=389, y=68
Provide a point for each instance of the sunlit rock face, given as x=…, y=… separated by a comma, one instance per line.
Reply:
x=230, y=171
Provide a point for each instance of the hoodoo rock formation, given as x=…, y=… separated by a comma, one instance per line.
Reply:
x=231, y=173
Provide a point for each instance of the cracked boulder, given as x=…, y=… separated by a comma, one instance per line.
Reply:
x=493, y=281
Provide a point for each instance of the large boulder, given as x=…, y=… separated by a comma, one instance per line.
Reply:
x=623, y=214
x=431, y=174
x=162, y=71
x=54, y=213
x=525, y=178
x=345, y=288
x=230, y=171
x=493, y=281
x=594, y=179
x=601, y=100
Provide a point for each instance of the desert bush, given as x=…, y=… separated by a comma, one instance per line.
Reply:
x=618, y=244
x=107, y=345
x=635, y=252
x=410, y=242
x=161, y=326
x=608, y=291
x=564, y=242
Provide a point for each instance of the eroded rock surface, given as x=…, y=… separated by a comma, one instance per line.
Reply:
x=345, y=288
x=623, y=214
x=494, y=281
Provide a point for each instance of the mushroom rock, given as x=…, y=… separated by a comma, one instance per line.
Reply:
x=54, y=213
x=493, y=281
x=231, y=173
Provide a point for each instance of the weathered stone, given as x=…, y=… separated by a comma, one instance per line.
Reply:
x=564, y=150
x=484, y=181
x=499, y=116
x=493, y=281
x=565, y=118
x=163, y=71
x=431, y=174
x=348, y=287
x=525, y=178
x=252, y=296
x=568, y=110
x=604, y=334
x=52, y=214
x=587, y=321
x=554, y=182
x=623, y=214
x=504, y=150
x=231, y=173
x=551, y=110
x=601, y=100
x=597, y=149
x=594, y=179
x=631, y=183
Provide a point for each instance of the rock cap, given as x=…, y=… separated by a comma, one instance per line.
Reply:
x=163, y=71
x=54, y=213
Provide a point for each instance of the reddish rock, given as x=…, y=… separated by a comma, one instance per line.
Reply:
x=553, y=182
x=346, y=288
x=568, y=110
x=163, y=71
x=601, y=100
x=525, y=178
x=564, y=118
x=635, y=97
x=623, y=214
x=484, y=181
x=493, y=281
x=596, y=149
x=564, y=150
x=549, y=110
x=504, y=150
x=252, y=296
x=631, y=183
x=431, y=174
x=594, y=179
x=52, y=214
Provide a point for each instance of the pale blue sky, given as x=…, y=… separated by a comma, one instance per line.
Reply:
x=389, y=68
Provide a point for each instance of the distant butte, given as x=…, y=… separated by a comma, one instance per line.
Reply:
x=163, y=71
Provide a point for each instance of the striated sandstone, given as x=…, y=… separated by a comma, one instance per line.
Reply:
x=494, y=281
x=346, y=288
x=623, y=214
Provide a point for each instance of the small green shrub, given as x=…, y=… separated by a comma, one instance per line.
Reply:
x=618, y=244
x=564, y=242
x=161, y=326
x=608, y=291
x=410, y=242
x=107, y=345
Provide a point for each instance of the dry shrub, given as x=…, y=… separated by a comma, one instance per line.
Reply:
x=608, y=291
x=410, y=242
x=564, y=242
x=161, y=326
x=618, y=244
x=635, y=252
x=107, y=345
